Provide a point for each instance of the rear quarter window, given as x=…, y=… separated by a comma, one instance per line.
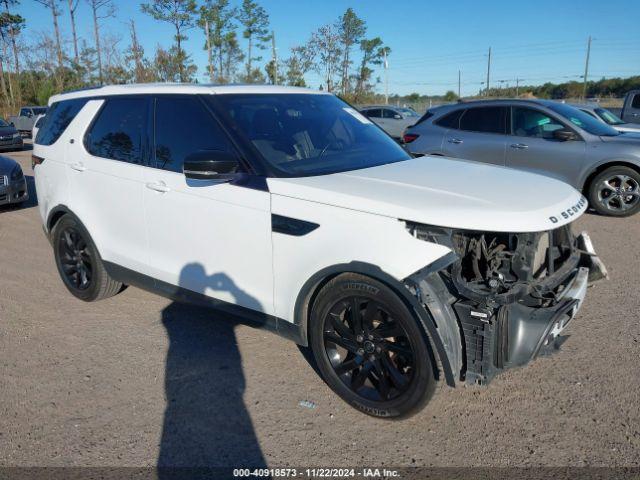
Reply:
x=635, y=103
x=450, y=120
x=58, y=118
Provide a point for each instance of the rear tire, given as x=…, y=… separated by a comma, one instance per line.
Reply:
x=370, y=349
x=616, y=192
x=79, y=263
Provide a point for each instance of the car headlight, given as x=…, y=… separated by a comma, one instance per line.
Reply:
x=16, y=173
x=16, y=135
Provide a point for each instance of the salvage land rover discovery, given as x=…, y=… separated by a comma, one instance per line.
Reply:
x=289, y=208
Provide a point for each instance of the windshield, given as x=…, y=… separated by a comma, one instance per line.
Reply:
x=409, y=112
x=39, y=110
x=583, y=120
x=609, y=117
x=307, y=134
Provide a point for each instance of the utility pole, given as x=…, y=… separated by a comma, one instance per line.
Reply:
x=488, y=71
x=586, y=69
x=459, y=75
x=386, y=79
x=274, y=58
x=209, y=53
x=517, y=86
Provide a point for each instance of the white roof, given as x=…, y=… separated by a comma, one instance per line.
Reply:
x=184, y=88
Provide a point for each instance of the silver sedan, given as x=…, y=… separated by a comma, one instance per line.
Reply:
x=608, y=117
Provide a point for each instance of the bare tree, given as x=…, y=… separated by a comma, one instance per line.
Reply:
x=136, y=53
x=55, y=13
x=73, y=5
x=100, y=9
x=14, y=31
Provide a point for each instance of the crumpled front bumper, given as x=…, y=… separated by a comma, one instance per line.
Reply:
x=516, y=334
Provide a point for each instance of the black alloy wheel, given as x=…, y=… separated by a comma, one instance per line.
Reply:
x=369, y=347
x=79, y=263
x=75, y=259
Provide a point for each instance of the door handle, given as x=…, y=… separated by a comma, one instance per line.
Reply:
x=79, y=167
x=634, y=114
x=158, y=187
x=519, y=146
x=457, y=141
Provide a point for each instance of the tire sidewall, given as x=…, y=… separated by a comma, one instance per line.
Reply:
x=88, y=294
x=423, y=381
x=594, y=188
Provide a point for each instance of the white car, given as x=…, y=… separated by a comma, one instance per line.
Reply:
x=288, y=208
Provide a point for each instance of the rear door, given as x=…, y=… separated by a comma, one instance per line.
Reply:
x=106, y=174
x=532, y=147
x=206, y=236
x=478, y=134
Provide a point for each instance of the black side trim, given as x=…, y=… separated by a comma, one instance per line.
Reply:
x=291, y=226
x=247, y=180
x=245, y=315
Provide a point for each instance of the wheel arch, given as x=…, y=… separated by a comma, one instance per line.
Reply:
x=601, y=168
x=309, y=291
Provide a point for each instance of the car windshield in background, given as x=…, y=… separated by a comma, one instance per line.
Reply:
x=3, y=123
x=307, y=134
x=583, y=120
x=408, y=112
x=40, y=111
x=609, y=117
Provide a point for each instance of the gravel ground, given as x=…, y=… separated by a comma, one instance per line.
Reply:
x=137, y=380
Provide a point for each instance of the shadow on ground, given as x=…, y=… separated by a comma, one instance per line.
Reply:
x=206, y=423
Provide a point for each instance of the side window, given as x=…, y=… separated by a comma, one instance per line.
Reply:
x=387, y=113
x=635, y=103
x=484, y=120
x=184, y=126
x=373, y=113
x=119, y=131
x=527, y=122
x=451, y=120
x=58, y=118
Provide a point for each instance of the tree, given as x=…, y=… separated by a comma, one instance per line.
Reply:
x=372, y=53
x=255, y=21
x=450, y=96
x=10, y=25
x=351, y=29
x=180, y=14
x=55, y=13
x=326, y=42
x=73, y=5
x=219, y=17
x=15, y=25
x=299, y=63
x=232, y=54
x=100, y=9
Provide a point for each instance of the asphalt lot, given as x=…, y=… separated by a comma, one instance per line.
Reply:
x=137, y=380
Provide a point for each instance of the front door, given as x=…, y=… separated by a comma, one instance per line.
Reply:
x=532, y=146
x=206, y=236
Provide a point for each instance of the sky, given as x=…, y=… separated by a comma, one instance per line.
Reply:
x=430, y=41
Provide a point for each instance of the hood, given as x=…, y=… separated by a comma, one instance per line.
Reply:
x=445, y=192
x=625, y=138
x=6, y=165
x=628, y=127
x=8, y=130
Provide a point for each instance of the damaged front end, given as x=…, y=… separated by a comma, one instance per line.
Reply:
x=509, y=294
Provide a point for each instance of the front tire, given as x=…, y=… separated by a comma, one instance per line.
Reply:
x=370, y=349
x=79, y=263
x=616, y=192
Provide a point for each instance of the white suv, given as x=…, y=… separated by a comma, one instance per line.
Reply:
x=289, y=208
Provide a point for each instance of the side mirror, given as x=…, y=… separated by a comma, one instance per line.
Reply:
x=210, y=165
x=397, y=116
x=564, y=135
